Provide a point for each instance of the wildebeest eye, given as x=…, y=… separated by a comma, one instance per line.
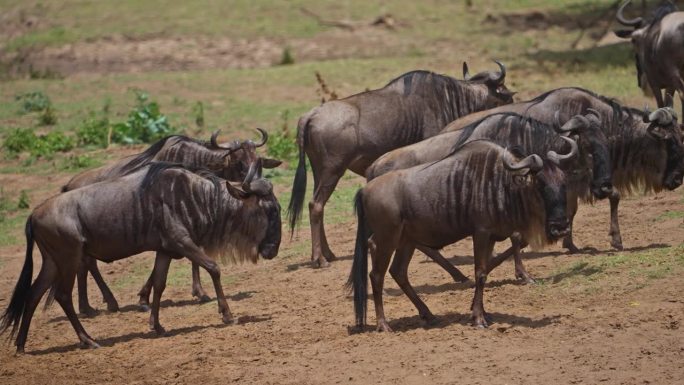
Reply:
x=520, y=179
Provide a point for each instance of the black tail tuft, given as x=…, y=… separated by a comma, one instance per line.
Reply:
x=358, y=277
x=12, y=316
x=294, y=209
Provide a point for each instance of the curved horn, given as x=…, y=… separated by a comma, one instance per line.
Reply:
x=575, y=123
x=647, y=113
x=466, y=73
x=250, y=175
x=264, y=137
x=636, y=22
x=533, y=162
x=555, y=158
x=502, y=73
x=660, y=116
x=215, y=144
x=594, y=112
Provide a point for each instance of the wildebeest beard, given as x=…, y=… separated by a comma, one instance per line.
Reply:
x=228, y=229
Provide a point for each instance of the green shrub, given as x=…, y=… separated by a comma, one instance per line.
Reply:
x=23, y=200
x=35, y=101
x=145, y=124
x=25, y=139
x=198, y=111
x=18, y=141
x=94, y=131
x=283, y=144
x=287, y=57
x=47, y=117
x=77, y=162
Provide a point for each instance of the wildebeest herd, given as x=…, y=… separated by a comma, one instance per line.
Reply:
x=444, y=159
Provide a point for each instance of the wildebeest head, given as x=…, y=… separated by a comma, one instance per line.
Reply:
x=240, y=155
x=663, y=126
x=593, y=142
x=257, y=195
x=640, y=32
x=549, y=180
x=498, y=93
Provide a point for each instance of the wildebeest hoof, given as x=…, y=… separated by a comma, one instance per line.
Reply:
x=89, y=344
x=113, y=306
x=144, y=307
x=616, y=245
x=481, y=322
x=88, y=311
x=229, y=319
x=383, y=326
x=525, y=278
x=572, y=249
x=430, y=320
x=319, y=263
x=329, y=256
x=204, y=298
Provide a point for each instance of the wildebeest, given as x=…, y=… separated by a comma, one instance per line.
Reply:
x=659, y=50
x=589, y=174
x=480, y=191
x=351, y=133
x=646, y=150
x=160, y=207
x=229, y=161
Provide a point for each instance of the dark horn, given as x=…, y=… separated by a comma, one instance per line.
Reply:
x=213, y=138
x=533, y=162
x=250, y=175
x=264, y=137
x=555, y=158
x=636, y=22
x=575, y=123
x=661, y=116
x=466, y=73
x=502, y=72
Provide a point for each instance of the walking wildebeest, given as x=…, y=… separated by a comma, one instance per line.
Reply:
x=659, y=50
x=646, y=150
x=160, y=207
x=479, y=191
x=589, y=173
x=351, y=133
x=229, y=162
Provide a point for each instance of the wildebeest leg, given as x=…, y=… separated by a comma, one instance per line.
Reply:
x=568, y=243
x=82, y=278
x=144, y=293
x=63, y=288
x=615, y=237
x=325, y=182
x=380, y=258
x=196, y=255
x=520, y=271
x=443, y=263
x=482, y=247
x=159, y=274
x=399, y=271
x=197, y=289
x=107, y=296
x=47, y=275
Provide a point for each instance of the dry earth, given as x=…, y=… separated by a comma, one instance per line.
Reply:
x=620, y=328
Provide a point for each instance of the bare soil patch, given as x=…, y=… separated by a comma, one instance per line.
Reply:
x=293, y=329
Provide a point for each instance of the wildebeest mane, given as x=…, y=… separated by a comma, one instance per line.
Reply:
x=496, y=195
x=451, y=97
x=223, y=231
x=149, y=154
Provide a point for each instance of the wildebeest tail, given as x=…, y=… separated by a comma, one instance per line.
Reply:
x=358, y=277
x=12, y=315
x=294, y=209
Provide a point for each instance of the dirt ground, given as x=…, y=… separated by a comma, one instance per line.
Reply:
x=293, y=321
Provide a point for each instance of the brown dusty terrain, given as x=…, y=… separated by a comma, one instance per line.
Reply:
x=578, y=326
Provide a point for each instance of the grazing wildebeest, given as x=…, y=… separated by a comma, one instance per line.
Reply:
x=229, y=161
x=646, y=150
x=160, y=207
x=659, y=50
x=589, y=174
x=479, y=191
x=351, y=133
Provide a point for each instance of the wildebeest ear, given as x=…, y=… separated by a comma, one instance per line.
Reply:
x=466, y=73
x=270, y=163
x=624, y=33
x=236, y=192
